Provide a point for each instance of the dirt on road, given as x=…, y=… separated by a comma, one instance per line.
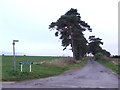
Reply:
x=92, y=75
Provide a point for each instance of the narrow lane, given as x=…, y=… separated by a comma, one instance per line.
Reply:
x=92, y=75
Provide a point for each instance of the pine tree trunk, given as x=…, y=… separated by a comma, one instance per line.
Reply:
x=73, y=46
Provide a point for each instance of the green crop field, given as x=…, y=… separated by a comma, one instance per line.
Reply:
x=52, y=66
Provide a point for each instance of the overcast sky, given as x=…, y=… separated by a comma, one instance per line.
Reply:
x=28, y=22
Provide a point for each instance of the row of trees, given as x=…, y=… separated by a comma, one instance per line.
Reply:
x=70, y=28
x=94, y=46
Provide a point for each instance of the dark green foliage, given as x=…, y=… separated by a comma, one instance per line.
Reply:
x=94, y=45
x=98, y=56
x=106, y=53
x=116, y=56
x=70, y=28
x=95, y=48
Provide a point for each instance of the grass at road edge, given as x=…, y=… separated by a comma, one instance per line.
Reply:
x=38, y=71
x=110, y=65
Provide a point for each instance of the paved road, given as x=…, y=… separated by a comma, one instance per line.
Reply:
x=92, y=75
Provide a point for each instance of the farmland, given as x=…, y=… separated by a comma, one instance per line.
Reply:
x=50, y=66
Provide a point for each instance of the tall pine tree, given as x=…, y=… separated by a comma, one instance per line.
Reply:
x=70, y=28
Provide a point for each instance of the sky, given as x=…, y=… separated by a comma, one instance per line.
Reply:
x=28, y=22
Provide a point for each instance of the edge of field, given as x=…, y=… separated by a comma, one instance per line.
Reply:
x=47, y=66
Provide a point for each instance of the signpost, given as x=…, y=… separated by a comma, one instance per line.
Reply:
x=21, y=64
x=14, y=59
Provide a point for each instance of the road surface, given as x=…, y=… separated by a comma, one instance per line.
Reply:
x=92, y=75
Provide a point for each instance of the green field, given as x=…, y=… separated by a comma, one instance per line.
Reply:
x=38, y=71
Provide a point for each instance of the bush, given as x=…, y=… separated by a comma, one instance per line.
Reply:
x=99, y=56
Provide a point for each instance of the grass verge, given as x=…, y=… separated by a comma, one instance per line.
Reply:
x=109, y=62
x=115, y=68
x=52, y=66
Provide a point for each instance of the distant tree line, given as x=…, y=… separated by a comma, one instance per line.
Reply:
x=116, y=56
x=69, y=27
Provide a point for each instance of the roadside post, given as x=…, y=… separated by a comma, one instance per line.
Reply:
x=21, y=65
x=14, y=59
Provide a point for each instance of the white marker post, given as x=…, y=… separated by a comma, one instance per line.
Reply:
x=21, y=67
x=30, y=67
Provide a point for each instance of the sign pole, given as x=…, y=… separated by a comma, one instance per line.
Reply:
x=14, y=59
x=14, y=56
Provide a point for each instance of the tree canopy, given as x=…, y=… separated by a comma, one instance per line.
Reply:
x=70, y=28
x=94, y=46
